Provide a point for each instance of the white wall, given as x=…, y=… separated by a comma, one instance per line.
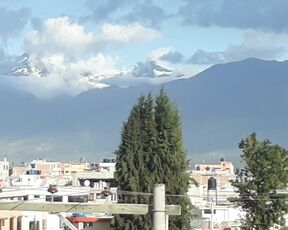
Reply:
x=53, y=222
x=223, y=214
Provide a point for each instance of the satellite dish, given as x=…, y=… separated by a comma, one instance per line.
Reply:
x=86, y=183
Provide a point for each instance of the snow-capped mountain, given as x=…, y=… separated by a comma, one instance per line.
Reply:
x=152, y=69
x=150, y=72
x=22, y=66
x=44, y=79
x=92, y=80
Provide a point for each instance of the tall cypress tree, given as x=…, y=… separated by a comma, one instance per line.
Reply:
x=170, y=164
x=132, y=173
x=151, y=151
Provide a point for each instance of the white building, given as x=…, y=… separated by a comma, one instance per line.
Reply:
x=4, y=173
x=221, y=217
x=43, y=220
x=214, y=187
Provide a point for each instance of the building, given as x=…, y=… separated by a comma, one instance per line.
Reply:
x=35, y=181
x=25, y=220
x=101, y=180
x=47, y=168
x=19, y=170
x=89, y=222
x=213, y=189
x=221, y=217
x=4, y=173
x=221, y=173
x=222, y=166
x=76, y=167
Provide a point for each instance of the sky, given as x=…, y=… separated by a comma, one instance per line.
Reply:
x=107, y=37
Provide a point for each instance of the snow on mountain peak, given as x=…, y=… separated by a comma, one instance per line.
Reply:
x=58, y=75
x=22, y=66
x=152, y=69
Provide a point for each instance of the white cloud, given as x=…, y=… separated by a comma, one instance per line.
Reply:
x=255, y=44
x=184, y=68
x=158, y=53
x=68, y=77
x=126, y=34
x=98, y=65
x=58, y=35
x=73, y=57
x=63, y=35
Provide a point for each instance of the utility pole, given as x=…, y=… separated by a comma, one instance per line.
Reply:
x=71, y=207
x=159, y=210
x=211, y=220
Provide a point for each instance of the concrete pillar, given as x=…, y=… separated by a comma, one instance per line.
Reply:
x=159, y=212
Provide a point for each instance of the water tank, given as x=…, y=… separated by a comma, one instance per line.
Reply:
x=78, y=214
x=52, y=189
x=212, y=183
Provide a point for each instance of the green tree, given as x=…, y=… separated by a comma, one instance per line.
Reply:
x=169, y=160
x=151, y=151
x=130, y=167
x=266, y=170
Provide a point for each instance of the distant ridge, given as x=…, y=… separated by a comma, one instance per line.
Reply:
x=219, y=107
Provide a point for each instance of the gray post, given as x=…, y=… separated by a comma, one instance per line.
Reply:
x=212, y=213
x=159, y=212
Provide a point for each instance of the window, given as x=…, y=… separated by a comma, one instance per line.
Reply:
x=11, y=223
x=82, y=198
x=208, y=211
x=89, y=224
x=2, y=223
x=19, y=223
x=44, y=224
x=34, y=225
x=55, y=198
x=98, y=196
x=114, y=197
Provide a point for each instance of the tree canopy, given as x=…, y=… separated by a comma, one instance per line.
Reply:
x=265, y=171
x=152, y=151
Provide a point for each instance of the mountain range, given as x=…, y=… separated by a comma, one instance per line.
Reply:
x=148, y=71
x=219, y=106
